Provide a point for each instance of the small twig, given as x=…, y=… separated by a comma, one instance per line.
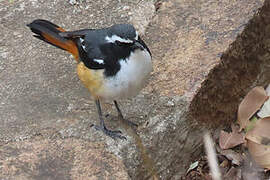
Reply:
x=211, y=156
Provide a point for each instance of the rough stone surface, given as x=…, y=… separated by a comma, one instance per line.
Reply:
x=244, y=65
x=59, y=159
x=194, y=36
x=41, y=95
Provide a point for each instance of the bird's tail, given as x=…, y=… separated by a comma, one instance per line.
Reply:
x=50, y=33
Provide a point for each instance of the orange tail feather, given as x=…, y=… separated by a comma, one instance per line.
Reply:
x=49, y=33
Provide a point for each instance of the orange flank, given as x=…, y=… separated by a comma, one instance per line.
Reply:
x=91, y=79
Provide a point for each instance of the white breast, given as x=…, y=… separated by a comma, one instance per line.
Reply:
x=131, y=77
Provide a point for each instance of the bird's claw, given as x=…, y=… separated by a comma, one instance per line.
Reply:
x=113, y=134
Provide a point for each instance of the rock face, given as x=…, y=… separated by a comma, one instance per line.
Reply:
x=59, y=159
x=243, y=65
x=46, y=113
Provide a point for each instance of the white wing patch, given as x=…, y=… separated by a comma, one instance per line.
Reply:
x=81, y=40
x=82, y=43
x=99, y=61
x=137, y=35
x=117, y=38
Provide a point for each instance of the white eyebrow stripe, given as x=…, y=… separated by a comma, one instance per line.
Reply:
x=137, y=35
x=99, y=61
x=117, y=38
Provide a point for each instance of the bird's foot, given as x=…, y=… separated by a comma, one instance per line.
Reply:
x=110, y=133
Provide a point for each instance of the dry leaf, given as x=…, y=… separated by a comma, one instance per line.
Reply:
x=229, y=140
x=233, y=174
x=250, y=105
x=258, y=142
x=235, y=157
x=260, y=133
x=193, y=166
x=224, y=163
x=260, y=153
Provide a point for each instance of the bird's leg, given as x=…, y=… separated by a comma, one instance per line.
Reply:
x=118, y=109
x=102, y=127
x=122, y=117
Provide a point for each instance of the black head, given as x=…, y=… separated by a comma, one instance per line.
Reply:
x=123, y=38
x=122, y=32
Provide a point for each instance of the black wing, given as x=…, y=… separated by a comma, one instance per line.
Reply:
x=90, y=56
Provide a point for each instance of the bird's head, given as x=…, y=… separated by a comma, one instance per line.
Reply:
x=122, y=34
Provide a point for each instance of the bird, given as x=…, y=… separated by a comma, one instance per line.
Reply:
x=113, y=62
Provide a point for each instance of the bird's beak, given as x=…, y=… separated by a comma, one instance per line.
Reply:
x=138, y=44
